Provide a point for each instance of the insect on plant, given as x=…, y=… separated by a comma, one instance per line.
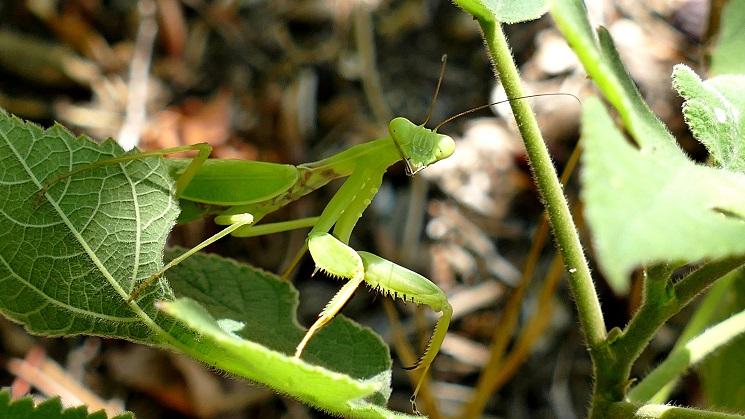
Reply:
x=243, y=192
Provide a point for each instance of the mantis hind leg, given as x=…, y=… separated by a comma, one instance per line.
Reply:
x=239, y=220
x=203, y=152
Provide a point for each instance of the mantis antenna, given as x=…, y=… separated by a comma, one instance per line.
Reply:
x=478, y=108
x=409, y=169
x=444, y=61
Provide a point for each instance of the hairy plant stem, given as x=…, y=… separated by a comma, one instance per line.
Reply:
x=623, y=348
x=550, y=190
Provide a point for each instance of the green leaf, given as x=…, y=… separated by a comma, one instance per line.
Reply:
x=726, y=57
x=702, y=318
x=245, y=323
x=603, y=64
x=70, y=254
x=658, y=219
x=713, y=110
x=504, y=11
x=49, y=409
x=645, y=207
x=646, y=128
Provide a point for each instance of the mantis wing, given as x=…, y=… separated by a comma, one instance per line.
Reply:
x=235, y=182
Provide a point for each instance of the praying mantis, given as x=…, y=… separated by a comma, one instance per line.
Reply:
x=364, y=166
x=250, y=190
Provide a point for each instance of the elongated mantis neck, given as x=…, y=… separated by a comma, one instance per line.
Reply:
x=381, y=152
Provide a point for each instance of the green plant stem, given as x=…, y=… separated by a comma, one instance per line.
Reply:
x=623, y=348
x=691, y=353
x=705, y=313
x=625, y=410
x=645, y=323
x=690, y=286
x=549, y=187
x=661, y=301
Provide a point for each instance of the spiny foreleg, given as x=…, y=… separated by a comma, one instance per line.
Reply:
x=391, y=279
x=338, y=260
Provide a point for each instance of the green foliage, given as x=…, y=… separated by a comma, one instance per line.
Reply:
x=648, y=203
x=602, y=63
x=726, y=58
x=50, y=409
x=73, y=252
x=706, y=312
x=505, y=11
x=713, y=111
x=707, y=103
x=254, y=308
x=646, y=208
x=643, y=205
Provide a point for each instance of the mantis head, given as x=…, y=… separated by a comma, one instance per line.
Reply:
x=419, y=146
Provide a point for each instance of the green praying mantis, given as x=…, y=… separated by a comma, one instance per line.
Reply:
x=243, y=192
x=364, y=166
x=250, y=190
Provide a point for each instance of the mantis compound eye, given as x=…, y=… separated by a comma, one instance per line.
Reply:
x=445, y=147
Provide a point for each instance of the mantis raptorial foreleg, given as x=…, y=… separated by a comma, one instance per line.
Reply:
x=331, y=254
x=339, y=260
x=391, y=279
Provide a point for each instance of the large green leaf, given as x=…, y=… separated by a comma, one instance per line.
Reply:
x=652, y=203
x=71, y=254
x=713, y=110
x=726, y=57
x=644, y=207
x=25, y=408
x=245, y=321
